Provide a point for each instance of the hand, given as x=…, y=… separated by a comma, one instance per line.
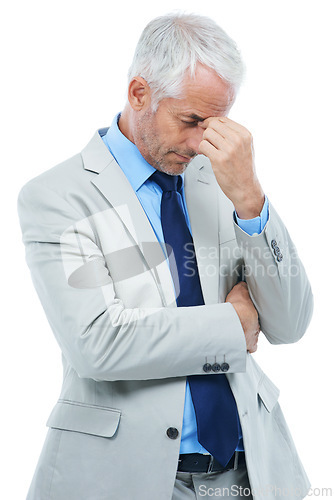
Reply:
x=249, y=319
x=229, y=147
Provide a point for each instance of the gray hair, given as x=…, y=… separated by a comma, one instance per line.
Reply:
x=173, y=44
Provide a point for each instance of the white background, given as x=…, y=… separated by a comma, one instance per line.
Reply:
x=63, y=76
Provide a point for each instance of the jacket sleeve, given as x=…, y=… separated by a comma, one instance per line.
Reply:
x=277, y=282
x=98, y=335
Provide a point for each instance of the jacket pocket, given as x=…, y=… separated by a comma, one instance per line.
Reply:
x=88, y=419
x=267, y=392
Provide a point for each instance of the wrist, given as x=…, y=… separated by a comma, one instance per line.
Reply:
x=250, y=207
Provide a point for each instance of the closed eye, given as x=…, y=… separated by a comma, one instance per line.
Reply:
x=191, y=124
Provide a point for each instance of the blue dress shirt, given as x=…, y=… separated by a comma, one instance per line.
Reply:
x=138, y=171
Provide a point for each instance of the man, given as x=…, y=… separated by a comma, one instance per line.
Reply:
x=155, y=273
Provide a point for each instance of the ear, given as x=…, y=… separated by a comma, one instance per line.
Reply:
x=139, y=94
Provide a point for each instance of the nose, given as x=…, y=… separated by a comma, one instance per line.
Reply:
x=194, y=138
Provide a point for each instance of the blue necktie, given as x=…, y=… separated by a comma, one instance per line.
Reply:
x=215, y=407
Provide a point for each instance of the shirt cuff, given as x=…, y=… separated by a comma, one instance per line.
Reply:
x=256, y=225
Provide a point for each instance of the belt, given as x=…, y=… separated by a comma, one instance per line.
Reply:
x=197, y=462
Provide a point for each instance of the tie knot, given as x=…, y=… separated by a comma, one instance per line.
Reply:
x=167, y=182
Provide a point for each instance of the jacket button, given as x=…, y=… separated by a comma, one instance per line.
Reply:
x=273, y=244
x=279, y=257
x=172, y=432
x=277, y=251
x=225, y=367
x=207, y=368
x=216, y=367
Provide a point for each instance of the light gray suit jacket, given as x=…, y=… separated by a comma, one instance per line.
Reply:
x=106, y=288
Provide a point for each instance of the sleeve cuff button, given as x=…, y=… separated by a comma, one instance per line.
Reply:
x=207, y=368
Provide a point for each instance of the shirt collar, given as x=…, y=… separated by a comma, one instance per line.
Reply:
x=127, y=155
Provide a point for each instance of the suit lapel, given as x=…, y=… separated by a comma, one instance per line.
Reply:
x=116, y=189
x=201, y=198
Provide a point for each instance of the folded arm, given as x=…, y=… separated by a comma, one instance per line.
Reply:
x=277, y=282
x=100, y=337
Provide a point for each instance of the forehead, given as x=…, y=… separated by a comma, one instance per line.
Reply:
x=205, y=94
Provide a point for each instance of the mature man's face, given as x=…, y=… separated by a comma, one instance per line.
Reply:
x=169, y=138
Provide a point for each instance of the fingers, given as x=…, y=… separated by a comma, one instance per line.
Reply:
x=222, y=122
x=207, y=149
x=222, y=119
x=218, y=129
x=236, y=294
x=252, y=346
x=243, y=284
x=214, y=137
x=222, y=132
